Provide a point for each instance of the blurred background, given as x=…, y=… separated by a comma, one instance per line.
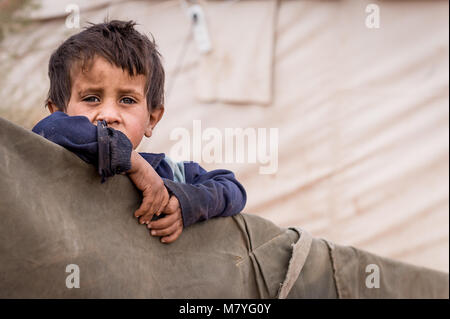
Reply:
x=359, y=91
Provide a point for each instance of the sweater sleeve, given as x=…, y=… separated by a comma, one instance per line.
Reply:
x=204, y=195
x=108, y=149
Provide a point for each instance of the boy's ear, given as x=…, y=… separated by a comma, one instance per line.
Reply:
x=155, y=116
x=51, y=107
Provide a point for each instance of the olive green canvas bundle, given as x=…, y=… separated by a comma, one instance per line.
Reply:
x=56, y=213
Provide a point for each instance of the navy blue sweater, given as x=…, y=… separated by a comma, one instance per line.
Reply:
x=202, y=195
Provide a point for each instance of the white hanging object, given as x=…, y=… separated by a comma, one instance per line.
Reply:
x=200, y=28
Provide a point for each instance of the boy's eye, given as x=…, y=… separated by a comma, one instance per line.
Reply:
x=127, y=100
x=91, y=99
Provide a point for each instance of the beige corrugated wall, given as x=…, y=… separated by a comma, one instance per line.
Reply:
x=363, y=115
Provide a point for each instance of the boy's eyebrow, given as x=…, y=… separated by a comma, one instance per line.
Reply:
x=129, y=91
x=100, y=90
x=90, y=89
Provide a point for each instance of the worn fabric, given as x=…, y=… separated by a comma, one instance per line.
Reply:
x=54, y=213
x=202, y=195
x=352, y=268
x=112, y=151
x=239, y=68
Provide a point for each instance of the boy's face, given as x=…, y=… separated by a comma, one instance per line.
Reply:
x=106, y=92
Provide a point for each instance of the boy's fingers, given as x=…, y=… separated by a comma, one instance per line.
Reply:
x=164, y=199
x=152, y=210
x=164, y=222
x=146, y=219
x=149, y=199
x=142, y=209
x=147, y=215
x=144, y=213
x=171, y=206
x=171, y=238
x=165, y=231
x=151, y=204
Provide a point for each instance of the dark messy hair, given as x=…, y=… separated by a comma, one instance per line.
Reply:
x=120, y=44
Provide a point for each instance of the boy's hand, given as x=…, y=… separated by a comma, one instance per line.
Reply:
x=155, y=194
x=169, y=226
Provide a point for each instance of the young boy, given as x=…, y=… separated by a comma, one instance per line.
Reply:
x=106, y=93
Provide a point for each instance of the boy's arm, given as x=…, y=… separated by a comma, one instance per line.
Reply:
x=107, y=149
x=202, y=195
x=205, y=195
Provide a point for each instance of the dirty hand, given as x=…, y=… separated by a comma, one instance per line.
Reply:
x=155, y=194
x=169, y=226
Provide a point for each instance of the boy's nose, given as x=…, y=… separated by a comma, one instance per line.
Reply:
x=109, y=114
x=107, y=118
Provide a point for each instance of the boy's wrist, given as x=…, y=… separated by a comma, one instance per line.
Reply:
x=136, y=162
